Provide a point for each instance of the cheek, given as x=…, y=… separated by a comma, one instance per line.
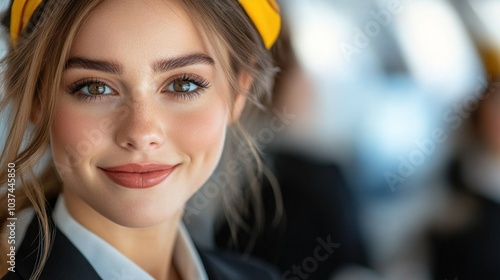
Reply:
x=202, y=133
x=71, y=136
x=200, y=136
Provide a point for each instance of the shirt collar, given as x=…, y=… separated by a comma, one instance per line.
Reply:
x=111, y=264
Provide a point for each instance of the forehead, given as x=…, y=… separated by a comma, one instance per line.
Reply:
x=138, y=30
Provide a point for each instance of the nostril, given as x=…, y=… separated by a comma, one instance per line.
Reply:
x=142, y=129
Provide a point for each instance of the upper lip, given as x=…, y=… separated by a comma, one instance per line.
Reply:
x=139, y=168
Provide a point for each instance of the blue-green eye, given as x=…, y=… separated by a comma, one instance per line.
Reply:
x=96, y=89
x=90, y=89
x=187, y=86
x=182, y=86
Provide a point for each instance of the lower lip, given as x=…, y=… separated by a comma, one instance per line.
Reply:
x=138, y=180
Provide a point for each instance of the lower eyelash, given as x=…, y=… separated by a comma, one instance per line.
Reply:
x=188, y=95
x=88, y=98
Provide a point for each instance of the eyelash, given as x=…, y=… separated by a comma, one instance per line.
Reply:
x=202, y=84
x=75, y=88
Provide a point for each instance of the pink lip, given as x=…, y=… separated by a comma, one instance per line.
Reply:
x=138, y=176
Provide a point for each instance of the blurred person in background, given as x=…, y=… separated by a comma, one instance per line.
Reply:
x=315, y=232
x=372, y=82
x=466, y=242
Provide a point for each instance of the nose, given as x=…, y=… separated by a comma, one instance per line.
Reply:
x=140, y=127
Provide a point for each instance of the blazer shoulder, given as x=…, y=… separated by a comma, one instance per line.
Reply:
x=64, y=261
x=223, y=265
x=12, y=276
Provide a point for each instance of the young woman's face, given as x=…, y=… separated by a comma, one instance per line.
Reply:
x=141, y=117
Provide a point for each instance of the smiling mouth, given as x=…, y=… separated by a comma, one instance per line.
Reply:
x=138, y=176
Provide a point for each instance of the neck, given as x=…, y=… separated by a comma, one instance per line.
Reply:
x=150, y=248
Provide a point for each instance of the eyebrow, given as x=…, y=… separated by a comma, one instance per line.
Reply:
x=159, y=66
x=92, y=64
x=182, y=61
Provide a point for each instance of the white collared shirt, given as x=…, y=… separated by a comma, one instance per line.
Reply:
x=110, y=264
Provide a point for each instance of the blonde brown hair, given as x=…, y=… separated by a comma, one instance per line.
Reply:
x=33, y=70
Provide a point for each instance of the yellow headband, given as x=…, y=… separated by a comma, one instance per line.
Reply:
x=264, y=14
x=20, y=15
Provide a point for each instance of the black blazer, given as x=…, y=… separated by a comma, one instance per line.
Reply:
x=317, y=203
x=65, y=262
x=471, y=251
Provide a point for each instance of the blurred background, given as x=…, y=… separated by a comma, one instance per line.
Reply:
x=402, y=97
x=390, y=149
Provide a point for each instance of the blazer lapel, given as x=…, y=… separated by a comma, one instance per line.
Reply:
x=64, y=262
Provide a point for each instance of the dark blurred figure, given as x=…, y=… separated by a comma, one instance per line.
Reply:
x=466, y=245
x=315, y=232
x=319, y=212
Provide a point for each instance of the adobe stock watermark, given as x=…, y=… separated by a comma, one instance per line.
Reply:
x=94, y=137
x=233, y=168
x=217, y=182
x=309, y=265
x=453, y=119
x=363, y=36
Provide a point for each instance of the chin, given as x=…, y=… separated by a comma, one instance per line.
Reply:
x=144, y=215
